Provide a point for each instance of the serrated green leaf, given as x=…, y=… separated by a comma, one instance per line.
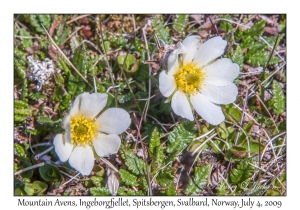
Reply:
x=243, y=171
x=180, y=22
x=171, y=190
x=135, y=164
x=237, y=57
x=19, y=150
x=161, y=31
x=128, y=178
x=58, y=93
x=181, y=137
x=260, y=58
x=96, y=180
x=99, y=191
x=35, y=22
x=26, y=40
x=50, y=173
x=278, y=97
x=164, y=178
x=256, y=30
x=199, y=180
x=36, y=95
x=19, y=68
x=125, y=192
x=24, y=111
x=63, y=65
x=19, y=118
x=45, y=19
x=156, y=148
x=63, y=36
x=225, y=25
x=222, y=189
x=65, y=103
x=36, y=188
x=47, y=120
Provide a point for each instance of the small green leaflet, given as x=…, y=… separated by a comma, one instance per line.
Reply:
x=278, y=97
x=199, y=180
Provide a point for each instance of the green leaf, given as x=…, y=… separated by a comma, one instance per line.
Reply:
x=225, y=25
x=58, y=93
x=237, y=57
x=161, y=31
x=26, y=40
x=199, y=180
x=96, y=180
x=19, y=150
x=125, y=192
x=222, y=130
x=238, y=151
x=36, y=95
x=180, y=22
x=99, y=191
x=35, y=22
x=50, y=173
x=130, y=64
x=258, y=58
x=24, y=112
x=254, y=147
x=128, y=178
x=135, y=164
x=273, y=193
x=156, y=148
x=65, y=103
x=45, y=19
x=48, y=121
x=171, y=190
x=36, y=188
x=164, y=178
x=181, y=136
x=256, y=30
x=63, y=36
x=233, y=113
x=278, y=97
x=20, y=104
x=243, y=171
x=81, y=60
x=222, y=189
x=63, y=65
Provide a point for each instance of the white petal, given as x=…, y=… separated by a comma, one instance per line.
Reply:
x=105, y=145
x=173, y=64
x=211, y=49
x=82, y=159
x=220, y=94
x=62, y=149
x=181, y=106
x=191, y=44
x=209, y=111
x=92, y=104
x=222, y=72
x=67, y=127
x=114, y=121
x=167, y=84
x=75, y=107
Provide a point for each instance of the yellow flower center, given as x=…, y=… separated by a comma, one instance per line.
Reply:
x=190, y=78
x=83, y=130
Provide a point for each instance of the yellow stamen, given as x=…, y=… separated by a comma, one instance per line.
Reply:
x=190, y=78
x=83, y=130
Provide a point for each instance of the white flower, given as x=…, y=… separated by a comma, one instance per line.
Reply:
x=86, y=132
x=195, y=77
